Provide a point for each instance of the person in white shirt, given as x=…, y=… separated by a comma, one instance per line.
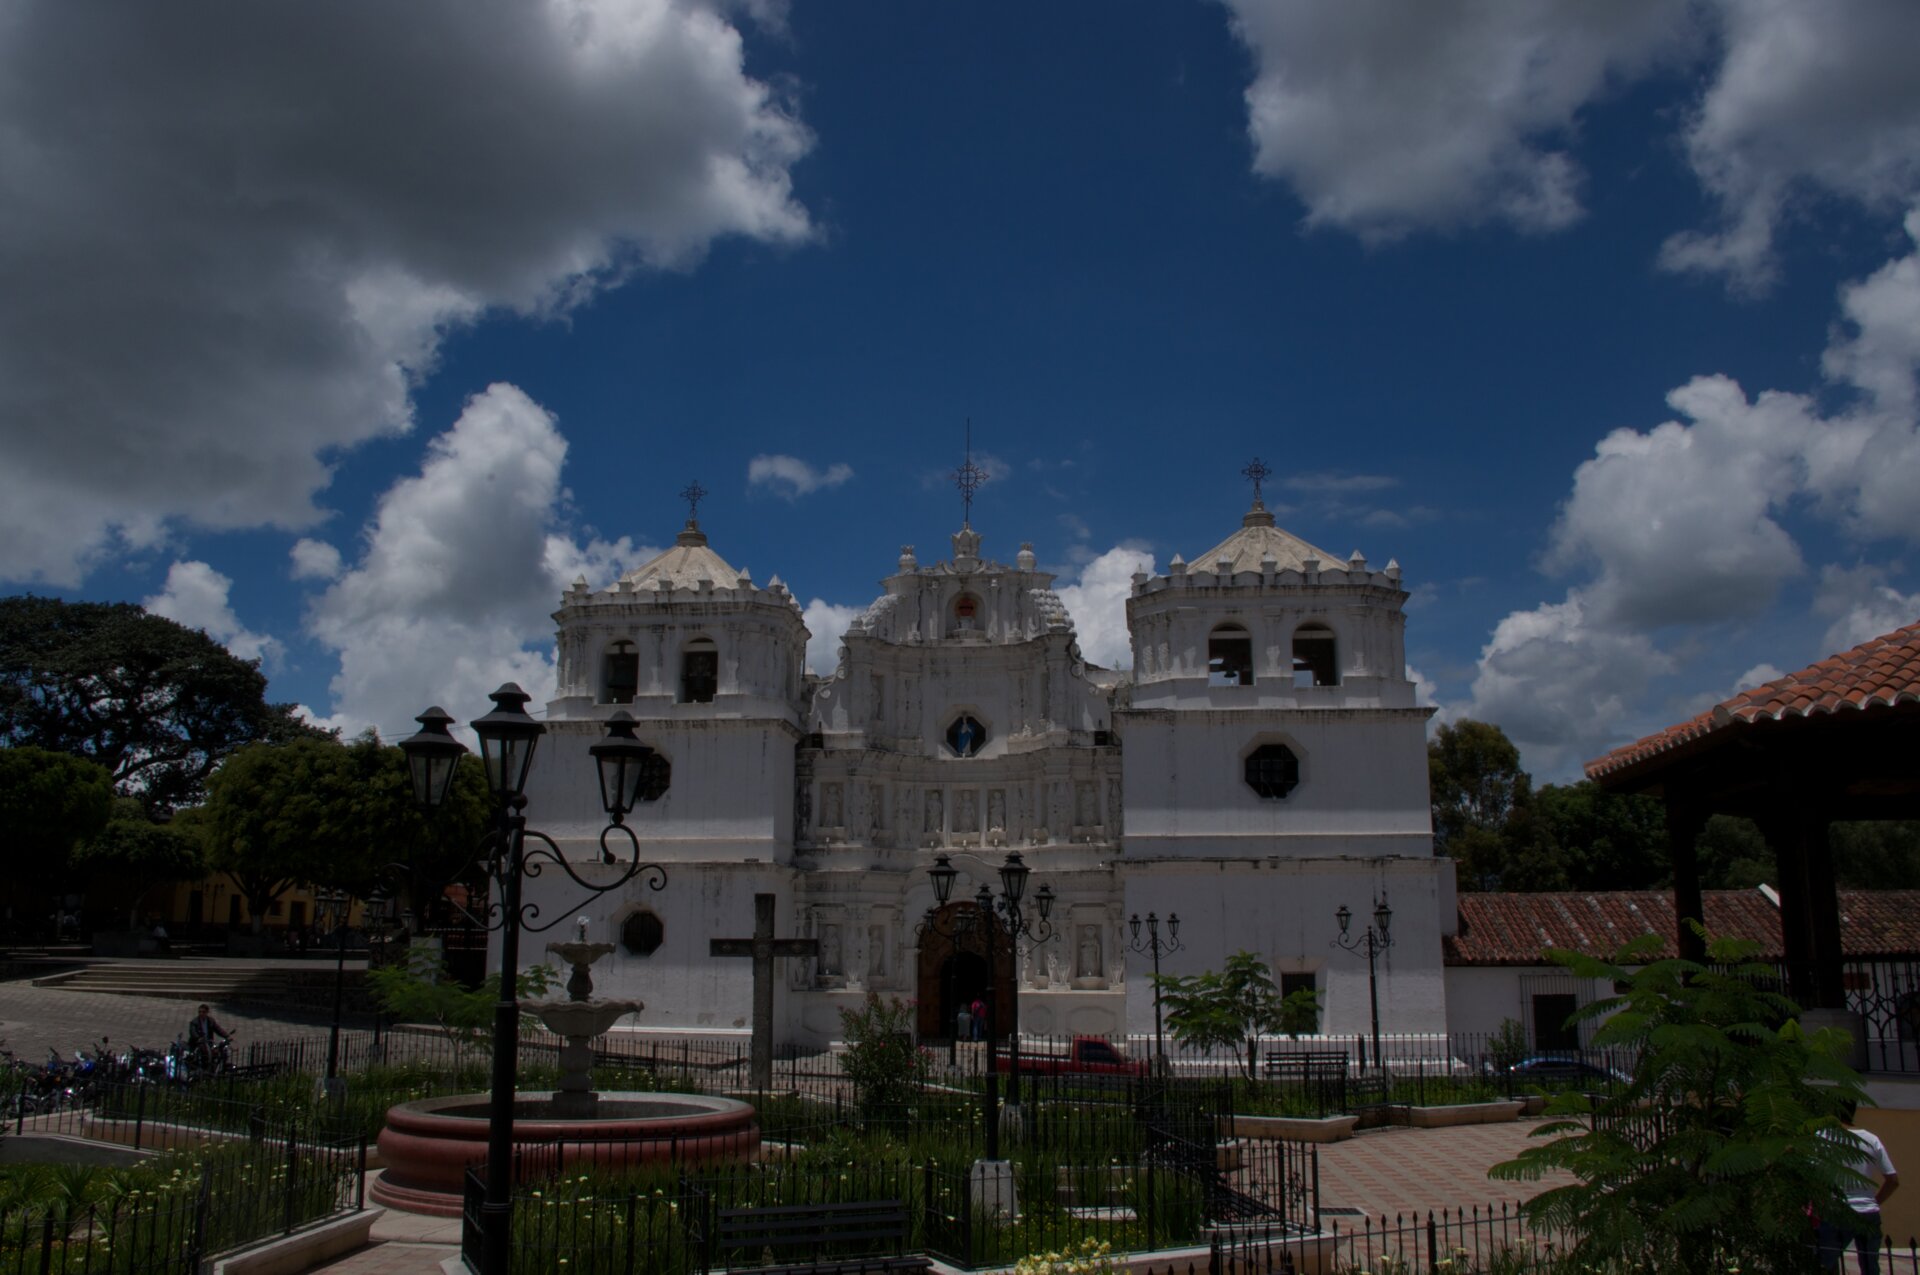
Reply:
x=1861, y=1225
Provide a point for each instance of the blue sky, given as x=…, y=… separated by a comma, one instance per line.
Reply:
x=352, y=332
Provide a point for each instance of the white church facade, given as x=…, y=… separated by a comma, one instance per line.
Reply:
x=1262, y=764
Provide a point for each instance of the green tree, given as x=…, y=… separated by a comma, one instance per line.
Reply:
x=886, y=1067
x=1733, y=855
x=1595, y=840
x=420, y=990
x=1475, y=784
x=50, y=802
x=1225, y=1009
x=155, y=703
x=393, y=841
x=133, y=854
x=1882, y=855
x=1708, y=1158
x=279, y=815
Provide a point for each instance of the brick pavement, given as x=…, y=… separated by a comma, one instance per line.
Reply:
x=1401, y=1170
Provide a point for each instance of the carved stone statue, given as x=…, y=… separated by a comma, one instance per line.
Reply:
x=832, y=806
x=1088, y=965
x=997, y=810
x=830, y=950
x=935, y=821
x=966, y=811
x=876, y=954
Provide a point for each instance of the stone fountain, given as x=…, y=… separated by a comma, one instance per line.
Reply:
x=580, y=1020
x=428, y=1145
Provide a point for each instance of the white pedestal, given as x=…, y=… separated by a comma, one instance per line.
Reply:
x=990, y=1187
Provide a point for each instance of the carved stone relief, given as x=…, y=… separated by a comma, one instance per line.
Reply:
x=966, y=811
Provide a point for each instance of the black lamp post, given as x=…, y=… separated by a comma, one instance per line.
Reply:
x=1154, y=944
x=508, y=737
x=1375, y=940
x=334, y=904
x=995, y=916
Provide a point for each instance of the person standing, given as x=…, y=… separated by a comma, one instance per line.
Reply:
x=1864, y=1196
x=979, y=1019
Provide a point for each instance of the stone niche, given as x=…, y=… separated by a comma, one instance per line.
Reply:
x=1087, y=944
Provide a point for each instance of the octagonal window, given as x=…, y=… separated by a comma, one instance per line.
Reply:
x=1273, y=771
x=656, y=776
x=642, y=933
x=966, y=737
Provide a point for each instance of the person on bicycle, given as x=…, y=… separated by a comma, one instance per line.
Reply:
x=201, y=1030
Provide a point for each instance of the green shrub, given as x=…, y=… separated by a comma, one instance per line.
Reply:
x=885, y=1066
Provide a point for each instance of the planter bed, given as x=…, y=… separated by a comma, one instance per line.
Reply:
x=1292, y=1128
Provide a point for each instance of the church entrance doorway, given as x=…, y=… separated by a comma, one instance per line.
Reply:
x=953, y=973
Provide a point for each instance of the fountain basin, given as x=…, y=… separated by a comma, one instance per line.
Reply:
x=428, y=1144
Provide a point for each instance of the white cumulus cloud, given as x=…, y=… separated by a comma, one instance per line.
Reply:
x=1861, y=605
x=791, y=477
x=234, y=236
x=1387, y=117
x=1807, y=99
x=198, y=596
x=314, y=560
x=1680, y=531
x=463, y=566
x=1097, y=601
x=826, y=624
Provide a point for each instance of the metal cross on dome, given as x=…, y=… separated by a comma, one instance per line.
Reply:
x=1255, y=471
x=693, y=494
x=969, y=478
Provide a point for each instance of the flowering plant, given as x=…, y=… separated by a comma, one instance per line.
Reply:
x=1093, y=1257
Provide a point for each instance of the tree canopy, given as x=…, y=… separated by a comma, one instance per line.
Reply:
x=134, y=853
x=1230, y=1008
x=319, y=812
x=279, y=815
x=50, y=802
x=155, y=703
x=1504, y=834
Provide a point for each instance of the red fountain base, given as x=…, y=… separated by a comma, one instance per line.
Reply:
x=428, y=1145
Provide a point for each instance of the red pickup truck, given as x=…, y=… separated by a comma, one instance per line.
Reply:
x=1085, y=1056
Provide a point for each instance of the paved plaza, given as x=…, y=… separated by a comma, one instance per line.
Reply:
x=36, y=1019
x=1381, y=1172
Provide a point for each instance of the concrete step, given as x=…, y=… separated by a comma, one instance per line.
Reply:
x=171, y=981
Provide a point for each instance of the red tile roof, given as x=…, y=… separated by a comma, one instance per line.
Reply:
x=1516, y=929
x=1876, y=674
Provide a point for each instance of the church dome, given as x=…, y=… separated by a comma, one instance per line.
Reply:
x=685, y=565
x=1257, y=542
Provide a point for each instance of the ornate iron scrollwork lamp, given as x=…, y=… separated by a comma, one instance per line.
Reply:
x=1373, y=940
x=508, y=738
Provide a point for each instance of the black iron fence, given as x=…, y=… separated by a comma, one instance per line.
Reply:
x=242, y=1177
x=1141, y=1167
x=1886, y=995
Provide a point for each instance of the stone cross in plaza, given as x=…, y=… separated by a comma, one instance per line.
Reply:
x=764, y=949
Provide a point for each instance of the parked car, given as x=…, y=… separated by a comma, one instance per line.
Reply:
x=1085, y=1056
x=1566, y=1069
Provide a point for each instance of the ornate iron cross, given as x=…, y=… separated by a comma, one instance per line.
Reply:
x=693, y=494
x=969, y=478
x=1255, y=471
